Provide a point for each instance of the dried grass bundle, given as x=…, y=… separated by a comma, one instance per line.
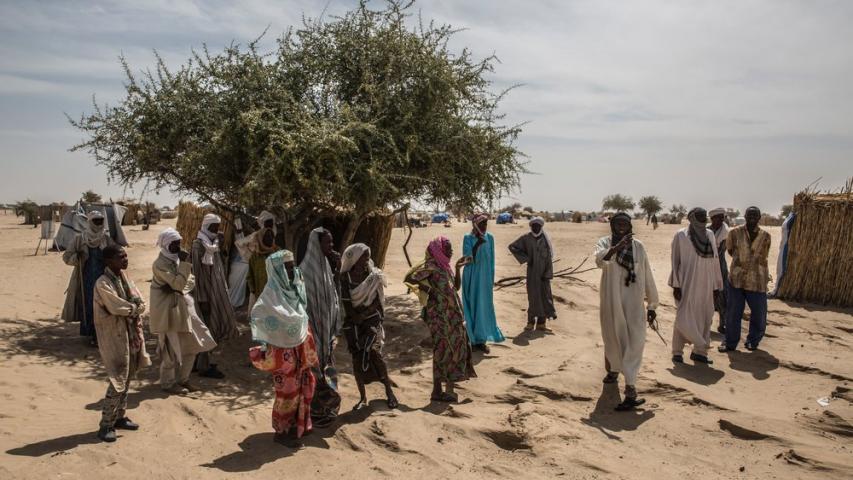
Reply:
x=820, y=250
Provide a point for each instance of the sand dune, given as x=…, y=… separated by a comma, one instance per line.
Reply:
x=537, y=410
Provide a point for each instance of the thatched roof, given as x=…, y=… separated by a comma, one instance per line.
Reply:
x=820, y=250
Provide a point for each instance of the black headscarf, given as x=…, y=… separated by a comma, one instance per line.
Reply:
x=625, y=258
x=698, y=234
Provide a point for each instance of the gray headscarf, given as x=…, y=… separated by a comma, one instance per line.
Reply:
x=698, y=234
x=324, y=308
x=95, y=236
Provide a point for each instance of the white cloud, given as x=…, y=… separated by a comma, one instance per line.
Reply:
x=659, y=88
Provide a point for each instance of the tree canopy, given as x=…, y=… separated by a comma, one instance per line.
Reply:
x=786, y=210
x=651, y=205
x=618, y=202
x=89, y=196
x=351, y=115
x=678, y=209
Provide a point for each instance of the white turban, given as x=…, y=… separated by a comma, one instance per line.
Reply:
x=287, y=256
x=208, y=238
x=165, y=239
x=351, y=256
x=264, y=217
x=95, y=236
x=537, y=221
x=716, y=211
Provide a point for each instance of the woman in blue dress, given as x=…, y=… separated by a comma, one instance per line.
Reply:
x=478, y=281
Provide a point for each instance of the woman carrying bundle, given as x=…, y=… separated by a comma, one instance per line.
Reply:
x=280, y=324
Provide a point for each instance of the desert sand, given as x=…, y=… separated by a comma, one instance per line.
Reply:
x=537, y=410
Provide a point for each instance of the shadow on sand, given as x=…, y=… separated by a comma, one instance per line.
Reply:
x=758, y=363
x=698, y=373
x=607, y=420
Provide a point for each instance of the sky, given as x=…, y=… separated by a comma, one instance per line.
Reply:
x=704, y=103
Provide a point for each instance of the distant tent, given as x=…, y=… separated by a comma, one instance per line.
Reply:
x=74, y=221
x=440, y=218
x=504, y=218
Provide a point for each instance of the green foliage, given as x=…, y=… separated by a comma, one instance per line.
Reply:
x=651, y=205
x=29, y=210
x=618, y=202
x=786, y=210
x=678, y=210
x=352, y=115
x=89, y=196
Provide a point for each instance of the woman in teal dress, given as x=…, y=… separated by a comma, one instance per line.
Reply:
x=478, y=281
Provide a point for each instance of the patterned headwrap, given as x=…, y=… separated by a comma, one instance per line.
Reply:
x=625, y=258
x=436, y=251
x=476, y=220
x=698, y=234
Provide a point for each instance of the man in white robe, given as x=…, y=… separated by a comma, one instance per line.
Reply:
x=629, y=299
x=696, y=281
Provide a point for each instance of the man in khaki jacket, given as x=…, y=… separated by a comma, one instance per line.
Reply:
x=179, y=340
x=117, y=307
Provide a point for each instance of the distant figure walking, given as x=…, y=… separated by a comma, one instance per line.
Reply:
x=478, y=280
x=695, y=282
x=535, y=249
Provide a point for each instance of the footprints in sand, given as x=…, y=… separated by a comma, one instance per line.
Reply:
x=680, y=395
x=798, y=367
x=795, y=458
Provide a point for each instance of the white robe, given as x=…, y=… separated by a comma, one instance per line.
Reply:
x=697, y=277
x=623, y=309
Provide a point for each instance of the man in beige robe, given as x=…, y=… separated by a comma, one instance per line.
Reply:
x=178, y=339
x=117, y=307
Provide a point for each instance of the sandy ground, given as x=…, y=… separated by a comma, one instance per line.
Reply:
x=537, y=410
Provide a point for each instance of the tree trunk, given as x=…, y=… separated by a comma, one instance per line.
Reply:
x=352, y=227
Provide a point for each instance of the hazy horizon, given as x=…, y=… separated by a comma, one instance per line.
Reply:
x=700, y=103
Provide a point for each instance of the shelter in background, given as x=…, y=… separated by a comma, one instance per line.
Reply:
x=440, y=218
x=374, y=231
x=818, y=256
x=503, y=218
x=74, y=221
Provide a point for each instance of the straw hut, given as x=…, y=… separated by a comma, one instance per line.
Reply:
x=375, y=230
x=820, y=250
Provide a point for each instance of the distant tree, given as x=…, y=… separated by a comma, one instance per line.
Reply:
x=651, y=205
x=618, y=202
x=528, y=209
x=678, y=211
x=786, y=210
x=513, y=209
x=29, y=210
x=89, y=196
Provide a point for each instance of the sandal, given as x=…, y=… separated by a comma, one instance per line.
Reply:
x=629, y=404
x=445, y=397
x=611, y=377
x=530, y=326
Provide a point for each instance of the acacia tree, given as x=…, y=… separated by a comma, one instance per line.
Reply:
x=89, y=196
x=618, y=202
x=651, y=205
x=786, y=210
x=345, y=117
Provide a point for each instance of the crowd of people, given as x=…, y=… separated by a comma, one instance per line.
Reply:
x=298, y=311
